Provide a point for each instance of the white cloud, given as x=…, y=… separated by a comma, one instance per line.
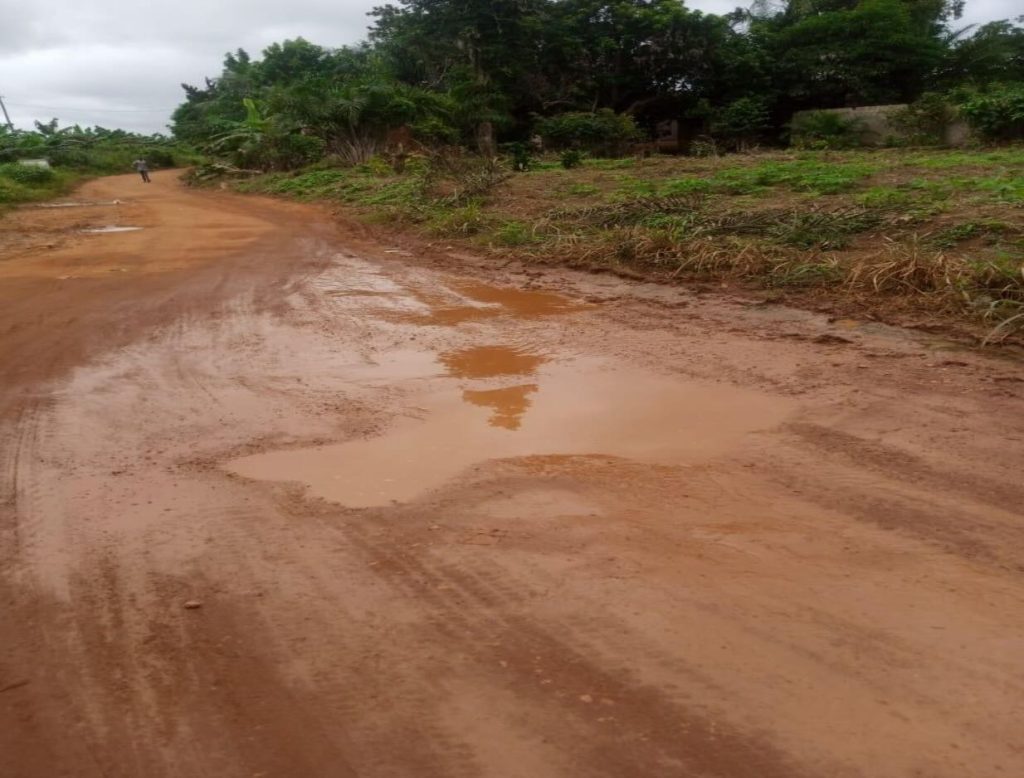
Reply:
x=109, y=62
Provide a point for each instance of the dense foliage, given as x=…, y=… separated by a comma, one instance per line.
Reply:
x=998, y=112
x=478, y=71
x=602, y=132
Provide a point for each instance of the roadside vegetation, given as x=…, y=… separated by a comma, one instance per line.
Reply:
x=931, y=236
x=600, y=77
x=533, y=129
x=48, y=161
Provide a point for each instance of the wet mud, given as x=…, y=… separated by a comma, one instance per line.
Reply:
x=281, y=498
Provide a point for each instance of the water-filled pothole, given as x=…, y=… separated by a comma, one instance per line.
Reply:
x=573, y=409
x=469, y=301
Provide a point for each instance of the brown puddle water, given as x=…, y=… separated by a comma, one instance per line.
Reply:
x=522, y=302
x=508, y=405
x=474, y=301
x=491, y=362
x=575, y=409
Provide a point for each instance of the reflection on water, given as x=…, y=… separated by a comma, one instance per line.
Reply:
x=472, y=301
x=508, y=404
x=490, y=362
x=522, y=302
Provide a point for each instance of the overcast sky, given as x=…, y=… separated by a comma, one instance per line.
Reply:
x=120, y=63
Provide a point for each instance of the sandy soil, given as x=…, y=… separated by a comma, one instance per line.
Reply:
x=280, y=498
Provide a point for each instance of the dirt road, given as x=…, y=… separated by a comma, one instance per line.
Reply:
x=278, y=499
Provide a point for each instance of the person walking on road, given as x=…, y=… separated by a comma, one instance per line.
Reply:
x=142, y=167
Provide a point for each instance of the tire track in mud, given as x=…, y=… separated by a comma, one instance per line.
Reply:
x=19, y=437
x=892, y=462
x=868, y=482
x=649, y=732
x=839, y=645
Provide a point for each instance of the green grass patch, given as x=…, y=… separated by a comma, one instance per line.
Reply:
x=991, y=231
x=1002, y=188
x=807, y=274
x=582, y=190
x=515, y=233
x=356, y=186
x=955, y=159
x=812, y=176
x=885, y=197
x=26, y=184
x=630, y=187
x=608, y=164
x=684, y=186
x=457, y=222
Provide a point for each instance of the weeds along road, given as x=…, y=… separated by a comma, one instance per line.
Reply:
x=280, y=500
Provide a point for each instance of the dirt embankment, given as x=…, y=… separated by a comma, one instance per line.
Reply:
x=435, y=518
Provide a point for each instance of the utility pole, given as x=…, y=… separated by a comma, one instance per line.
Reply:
x=10, y=124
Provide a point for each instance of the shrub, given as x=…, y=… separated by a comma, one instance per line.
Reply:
x=704, y=147
x=29, y=175
x=286, y=151
x=740, y=122
x=571, y=158
x=997, y=113
x=376, y=166
x=433, y=130
x=11, y=192
x=317, y=183
x=824, y=130
x=924, y=121
x=521, y=157
x=602, y=133
x=159, y=157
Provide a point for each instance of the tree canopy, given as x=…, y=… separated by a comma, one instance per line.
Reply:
x=472, y=71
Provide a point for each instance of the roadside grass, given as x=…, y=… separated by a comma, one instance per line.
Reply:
x=22, y=184
x=1013, y=156
x=936, y=232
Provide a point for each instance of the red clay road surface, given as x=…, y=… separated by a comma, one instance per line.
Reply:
x=278, y=498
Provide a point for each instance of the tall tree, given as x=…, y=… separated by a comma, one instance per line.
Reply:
x=834, y=53
x=482, y=47
x=994, y=53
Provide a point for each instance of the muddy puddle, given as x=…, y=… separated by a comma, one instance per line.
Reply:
x=472, y=301
x=491, y=362
x=574, y=408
